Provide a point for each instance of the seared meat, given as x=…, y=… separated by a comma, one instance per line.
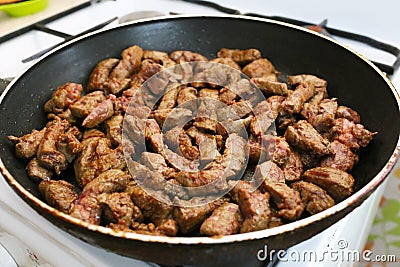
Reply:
x=47, y=153
x=87, y=103
x=170, y=97
x=314, y=198
x=296, y=99
x=118, y=208
x=351, y=134
x=100, y=113
x=114, y=129
x=265, y=114
x=227, y=96
x=188, y=150
x=187, y=94
x=254, y=206
x=88, y=133
x=69, y=144
x=347, y=113
x=293, y=167
x=276, y=148
x=26, y=146
x=206, y=124
x=180, y=56
x=241, y=57
x=207, y=147
x=242, y=108
x=153, y=161
x=270, y=87
x=173, y=116
x=59, y=194
x=226, y=61
x=159, y=57
x=240, y=184
x=307, y=78
x=286, y=199
x=63, y=97
x=159, y=80
x=100, y=74
x=341, y=157
x=304, y=137
x=261, y=68
x=337, y=183
x=190, y=214
x=225, y=220
x=38, y=173
x=268, y=172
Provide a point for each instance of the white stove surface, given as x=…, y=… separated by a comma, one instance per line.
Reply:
x=40, y=237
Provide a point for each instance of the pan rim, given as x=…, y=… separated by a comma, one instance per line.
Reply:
x=361, y=194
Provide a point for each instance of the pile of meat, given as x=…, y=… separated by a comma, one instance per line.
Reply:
x=294, y=155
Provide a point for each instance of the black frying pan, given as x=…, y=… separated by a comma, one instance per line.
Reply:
x=356, y=82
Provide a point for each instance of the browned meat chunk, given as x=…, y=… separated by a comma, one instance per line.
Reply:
x=100, y=113
x=342, y=157
x=190, y=214
x=287, y=200
x=97, y=156
x=114, y=129
x=206, y=124
x=58, y=194
x=118, y=208
x=87, y=103
x=180, y=56
x=296, y=99
x=255, y=209
x=268, y=172
x=304, y=137
x=186, y=147
x=269, y=87
x=130, y=63
x=100, y=74
x=255, y=150
x=276, y=148
x=47, y=154
x=240, y=184
x=314, y=198
x=261, y=68
x=226, y=61
x=293, y=167
x=241, y=108
x=351, y=134
x=337, y=183
x=187, y=94
x=27, y=145
x=63, y=97
x=38, y=173
x=207, y=148
x=158, y=83
x=159, y=57
x=173, y=116
x=240, y=56
x=225, y=220
x=87, y=207
x=88, y=133
x=156, y=162
x=170, y=97
x=307, y=78
x=227, y=96
x=69, y=144
x=347, y=113
x=265, y=114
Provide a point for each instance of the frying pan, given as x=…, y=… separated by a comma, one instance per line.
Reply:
x=293, y=50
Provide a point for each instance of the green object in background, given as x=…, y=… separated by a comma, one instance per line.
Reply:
x=24, y=8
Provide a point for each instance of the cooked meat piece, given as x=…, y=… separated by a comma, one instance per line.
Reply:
x=304, y=137
x=240, y=184
x=170, y=96
x=130, y=63
x=157, y=143
x=227, y=96
x=38, y=173
x=100, y=113
x=152, y=208
x=198, y=135
x=255, y=150
x=265, y=114
x=254, y=206
x=171, y=138
x=114, y=128
x=87, y=103
x=47, y=153
x=118, y=208
x=187, y=94
x=287, y=200
x=225, y=220
x=97, y=156
x=153, y=161
x=208, y=93
x=296, y=99
x=63, y=97
x=207, y=147
x=151, y=128
x=134, y=129
x=173, y=117
x=226, y=61
x=347, y=113
x=190, y=214
x=58, y=193
x=337, y=183
x=68, y=143
x=100, y=74
x=240, y=56
x=261, y=68
x=270, y=87
x=311, y=107
x=159, y=80
x=168, y=227
x=179, y=162
x=325, y=118
x=241, y=108
x=307, y=78
x=88, y=133
x=351, y=134
x=26, y=146
x=159, y=57
x=180, y=56
x=266, y=173
x=206, y=124
x=341, y=157
x=245, y=90
x=309, y=159
x=314, y=198
x=87, y=207
x=234, y=126
x=187, y=149
x=276, y=148
x=293, y=167
x=65, y=114
x=285, y=120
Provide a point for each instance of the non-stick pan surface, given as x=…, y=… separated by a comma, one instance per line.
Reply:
x=292, y=50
